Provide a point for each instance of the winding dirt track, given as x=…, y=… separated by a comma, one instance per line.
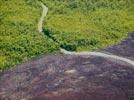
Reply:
x=72, y=77
x=99, y=54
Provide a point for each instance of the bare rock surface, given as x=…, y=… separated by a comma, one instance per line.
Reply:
x=66, y=77
x=125, y=48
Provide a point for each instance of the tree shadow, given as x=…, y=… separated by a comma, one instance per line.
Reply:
x=66, y=46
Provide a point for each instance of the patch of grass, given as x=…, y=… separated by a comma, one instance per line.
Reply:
x=19, y=38
x=75, y=25
x=90, y=24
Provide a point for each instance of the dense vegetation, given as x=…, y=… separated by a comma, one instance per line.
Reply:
x=19, y=38
x=75, y=24
x=89, y=24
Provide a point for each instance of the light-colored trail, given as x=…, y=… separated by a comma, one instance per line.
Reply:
x=85, y=53
x=44, y=13
x=99, y=54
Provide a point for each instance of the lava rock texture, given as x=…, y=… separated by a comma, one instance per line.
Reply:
x=66, y=77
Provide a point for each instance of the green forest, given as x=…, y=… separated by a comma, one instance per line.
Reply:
x=76, y=25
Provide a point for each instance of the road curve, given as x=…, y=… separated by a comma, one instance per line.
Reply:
x=99, y=54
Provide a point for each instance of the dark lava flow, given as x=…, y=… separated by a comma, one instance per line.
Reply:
x=65, y=77
x=124, y=49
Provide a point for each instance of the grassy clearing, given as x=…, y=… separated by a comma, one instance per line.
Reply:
x=76, y=24
x=90, y=24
